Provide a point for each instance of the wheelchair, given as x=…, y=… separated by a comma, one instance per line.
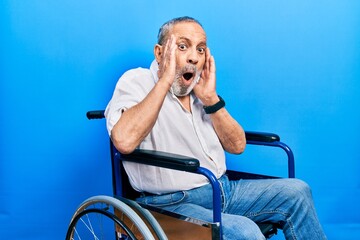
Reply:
x=120, y=217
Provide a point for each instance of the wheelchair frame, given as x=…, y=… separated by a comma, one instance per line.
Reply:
x=181, y=163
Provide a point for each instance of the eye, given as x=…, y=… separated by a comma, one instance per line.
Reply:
x=201, y=50
x=182, y=46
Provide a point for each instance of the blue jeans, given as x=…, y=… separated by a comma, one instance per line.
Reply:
x=287, y=202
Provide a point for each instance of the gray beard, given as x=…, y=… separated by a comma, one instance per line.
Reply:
x=178, y=87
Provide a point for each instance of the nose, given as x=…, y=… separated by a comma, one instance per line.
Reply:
x=193, y=57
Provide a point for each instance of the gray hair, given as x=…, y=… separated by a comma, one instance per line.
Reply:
x=165, y=28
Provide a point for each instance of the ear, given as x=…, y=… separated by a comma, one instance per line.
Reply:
x=158, y=52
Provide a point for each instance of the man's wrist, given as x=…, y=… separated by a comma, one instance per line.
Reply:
x=215, y=107
x=164, y=83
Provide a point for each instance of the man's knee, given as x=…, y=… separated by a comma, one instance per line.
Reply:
x=239, y=227
x=298, y=189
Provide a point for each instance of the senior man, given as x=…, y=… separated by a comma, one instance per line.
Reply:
x=174, y=107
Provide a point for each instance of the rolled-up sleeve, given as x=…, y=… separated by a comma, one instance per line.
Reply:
x=131, y=88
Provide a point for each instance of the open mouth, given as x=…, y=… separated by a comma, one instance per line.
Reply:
x=188, y=75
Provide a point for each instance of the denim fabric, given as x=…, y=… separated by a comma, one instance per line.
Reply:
x=287, y=202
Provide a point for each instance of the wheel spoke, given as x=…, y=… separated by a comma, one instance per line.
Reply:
x=89, y=226
x=102, y=217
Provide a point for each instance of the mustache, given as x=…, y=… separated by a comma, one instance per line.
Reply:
x=186, y=68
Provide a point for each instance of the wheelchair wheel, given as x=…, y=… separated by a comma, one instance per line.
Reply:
x=104, y=217
x=147, y=217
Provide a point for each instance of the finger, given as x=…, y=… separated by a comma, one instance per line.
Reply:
x=208, y=55
x=165, y=50
x=201, y=80
x=162, y=57
x=169, y=51
x=212, y=64
x=172, y=47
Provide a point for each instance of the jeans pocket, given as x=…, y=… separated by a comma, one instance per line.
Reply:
x=164, y=200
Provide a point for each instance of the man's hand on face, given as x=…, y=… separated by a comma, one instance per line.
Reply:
x=167, y=65
x=205, y=90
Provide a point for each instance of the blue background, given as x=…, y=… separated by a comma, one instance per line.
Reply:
x=290, y=67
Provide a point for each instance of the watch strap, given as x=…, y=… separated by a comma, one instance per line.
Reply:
x=214, y=108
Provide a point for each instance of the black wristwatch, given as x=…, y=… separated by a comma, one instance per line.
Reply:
x=214, y=108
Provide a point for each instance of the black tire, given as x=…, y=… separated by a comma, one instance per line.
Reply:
x=104, y=217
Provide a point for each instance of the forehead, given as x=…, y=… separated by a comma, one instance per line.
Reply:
x=189, y=30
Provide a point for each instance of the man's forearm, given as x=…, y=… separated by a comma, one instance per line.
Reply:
x=230, y=133
x=136, y=122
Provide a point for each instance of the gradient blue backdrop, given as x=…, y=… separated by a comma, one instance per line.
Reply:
x=290, y=67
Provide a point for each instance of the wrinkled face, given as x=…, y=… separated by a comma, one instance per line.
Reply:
x=190, y=56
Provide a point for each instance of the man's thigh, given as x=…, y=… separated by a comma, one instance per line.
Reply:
x=263, y=199
x=233, y=226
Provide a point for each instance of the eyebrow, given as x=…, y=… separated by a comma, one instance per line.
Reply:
x=189, y=41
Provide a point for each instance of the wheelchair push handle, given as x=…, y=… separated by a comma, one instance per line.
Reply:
x=97, y=114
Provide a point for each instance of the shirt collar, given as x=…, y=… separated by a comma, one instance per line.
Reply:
x=154, y=68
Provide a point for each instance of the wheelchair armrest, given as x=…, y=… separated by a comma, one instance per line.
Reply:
x=162, y=159
x=97, y=114
x=272, y=140
x=261, y=136
x=177, y=162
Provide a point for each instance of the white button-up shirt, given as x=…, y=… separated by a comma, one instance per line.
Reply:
x=176, y=131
